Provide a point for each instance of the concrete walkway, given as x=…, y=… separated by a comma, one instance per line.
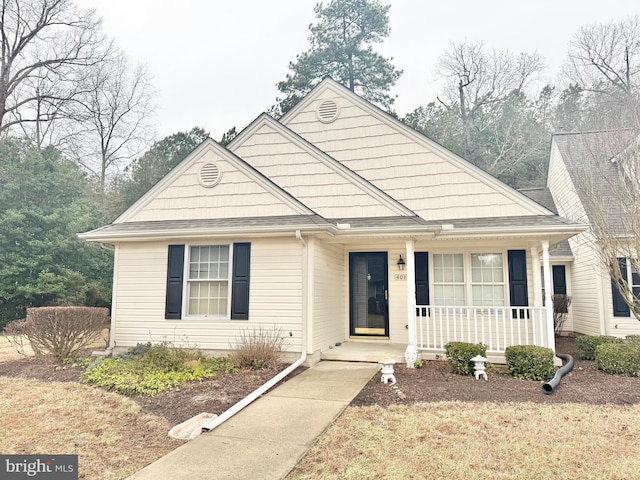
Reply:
x=268, y=438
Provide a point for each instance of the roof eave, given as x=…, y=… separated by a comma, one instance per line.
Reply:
x=532, y=231
x=153, y=235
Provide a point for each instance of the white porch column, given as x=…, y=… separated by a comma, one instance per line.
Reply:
x=537, y=281
x=548, y=286
x=411, y=353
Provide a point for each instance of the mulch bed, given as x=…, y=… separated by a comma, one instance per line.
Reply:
x=435, y=383
x=432, y=383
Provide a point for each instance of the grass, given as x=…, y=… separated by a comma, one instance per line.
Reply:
x=449, y=440
x=68, y=418
x=467, y=441
x=8, y=353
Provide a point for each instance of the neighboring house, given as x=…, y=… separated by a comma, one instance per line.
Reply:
x=560, y=258
x=583, y=180
x=337, y=224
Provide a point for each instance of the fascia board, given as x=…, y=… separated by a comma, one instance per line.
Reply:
x=151, y=235
x=511, y=231
x=419, y=138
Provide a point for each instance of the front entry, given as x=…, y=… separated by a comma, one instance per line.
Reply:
x=368, y=294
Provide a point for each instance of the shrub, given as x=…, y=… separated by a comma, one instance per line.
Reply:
x=258, y=348
x=561, y=305
x=587, y=345
x=530, y=362
x=459, y=355
x=160, y=367
x=619, y=358
x=58, y=331
x=632, y=339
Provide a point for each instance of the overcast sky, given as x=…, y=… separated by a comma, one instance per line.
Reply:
x=215, y=63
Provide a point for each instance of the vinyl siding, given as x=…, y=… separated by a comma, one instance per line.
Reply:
x=586, y=277
x=310, y=180
x=398, y=320
x=275, y=297
x=331, y=314
x=236, y=195
x=587, y=293
x=422, y=179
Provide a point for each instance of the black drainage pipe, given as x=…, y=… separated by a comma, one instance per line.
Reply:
x=551, y=385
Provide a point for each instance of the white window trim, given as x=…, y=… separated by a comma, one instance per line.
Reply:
x=630, y=284
x=468, y=282
x=185, y=286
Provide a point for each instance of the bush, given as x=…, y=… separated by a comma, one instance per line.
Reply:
x=58, y=331
x=587, y=345
x=561, y=305
x=258, y=348
x=632, y=339
x=160, y=367
x=619, y=358
x=459, y=355
x=530, y=362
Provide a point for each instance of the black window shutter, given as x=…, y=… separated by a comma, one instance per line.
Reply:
x=175, y=272
x=620, y=308
x=559, y=280
x=518, y=293
x=240, y=281
x=422, y=278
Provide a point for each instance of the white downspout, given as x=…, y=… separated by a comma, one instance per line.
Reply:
x=230, y=412
x=548, y=302
x=411, y=353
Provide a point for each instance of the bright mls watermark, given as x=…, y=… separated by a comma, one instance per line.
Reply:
x=49, y=467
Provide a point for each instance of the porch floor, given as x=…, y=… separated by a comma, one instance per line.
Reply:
x=363, y=351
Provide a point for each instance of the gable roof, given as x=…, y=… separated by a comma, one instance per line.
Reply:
x=348, y=185
x=260, y=196
x=589, y=160
x=298, y=118
x=278, y=194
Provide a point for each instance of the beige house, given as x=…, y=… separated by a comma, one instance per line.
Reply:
x=339, y=225
x=583, y=168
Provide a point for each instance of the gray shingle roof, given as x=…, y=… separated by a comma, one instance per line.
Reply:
x=543, y=196
x=316, y=222
x=217, y=225
x=588, y=159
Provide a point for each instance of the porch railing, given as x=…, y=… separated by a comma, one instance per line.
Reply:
x=496, y=327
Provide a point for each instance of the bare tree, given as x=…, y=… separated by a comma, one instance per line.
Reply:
x=477, y=79
x=113, y=116
x=608, y=182
x=604, y=66
x=605, y=58
x=45, y=44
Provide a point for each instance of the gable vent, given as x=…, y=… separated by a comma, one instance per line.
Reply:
x=209, y=175
x=327, y=111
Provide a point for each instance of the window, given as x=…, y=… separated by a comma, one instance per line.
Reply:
x=635, y=285
x=487, y=279
x=448, y=279
x=208, y=281
x=628, y=288
x=469, y=279
x=217, y=281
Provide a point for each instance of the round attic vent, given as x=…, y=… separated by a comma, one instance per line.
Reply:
x=209, y=175
x=327, y=111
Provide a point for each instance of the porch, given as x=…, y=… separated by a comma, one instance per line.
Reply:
x=496, y=327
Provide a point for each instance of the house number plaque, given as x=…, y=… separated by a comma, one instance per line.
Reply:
x=400, y=276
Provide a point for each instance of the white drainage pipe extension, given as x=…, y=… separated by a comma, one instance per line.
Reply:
x=227, y=414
